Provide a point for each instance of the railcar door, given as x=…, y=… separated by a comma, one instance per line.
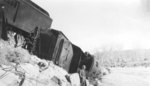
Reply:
x=63, y=52
x=66, y=55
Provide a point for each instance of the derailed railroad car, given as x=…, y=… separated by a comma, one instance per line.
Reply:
x=54, y=45
x=24, y=14
x=26, y=19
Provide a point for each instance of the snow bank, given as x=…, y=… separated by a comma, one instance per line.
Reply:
x=19, y=68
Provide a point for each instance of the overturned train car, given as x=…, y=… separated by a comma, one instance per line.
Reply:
x=28, y=20
x=54, y=45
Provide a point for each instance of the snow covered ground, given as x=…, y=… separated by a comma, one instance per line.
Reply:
x=19, y=68
x=128, y=76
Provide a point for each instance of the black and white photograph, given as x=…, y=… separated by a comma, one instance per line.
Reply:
x=74, y=42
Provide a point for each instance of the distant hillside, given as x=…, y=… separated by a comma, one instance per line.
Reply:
x=124, y=58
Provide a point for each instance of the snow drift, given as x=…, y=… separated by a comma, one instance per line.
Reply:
x=19, y=68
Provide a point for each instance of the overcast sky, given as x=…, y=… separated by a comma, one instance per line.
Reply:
x=93, y=24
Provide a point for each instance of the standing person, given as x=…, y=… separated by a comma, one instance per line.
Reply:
x=82, y=74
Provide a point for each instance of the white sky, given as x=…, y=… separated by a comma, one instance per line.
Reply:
x=92, y=24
